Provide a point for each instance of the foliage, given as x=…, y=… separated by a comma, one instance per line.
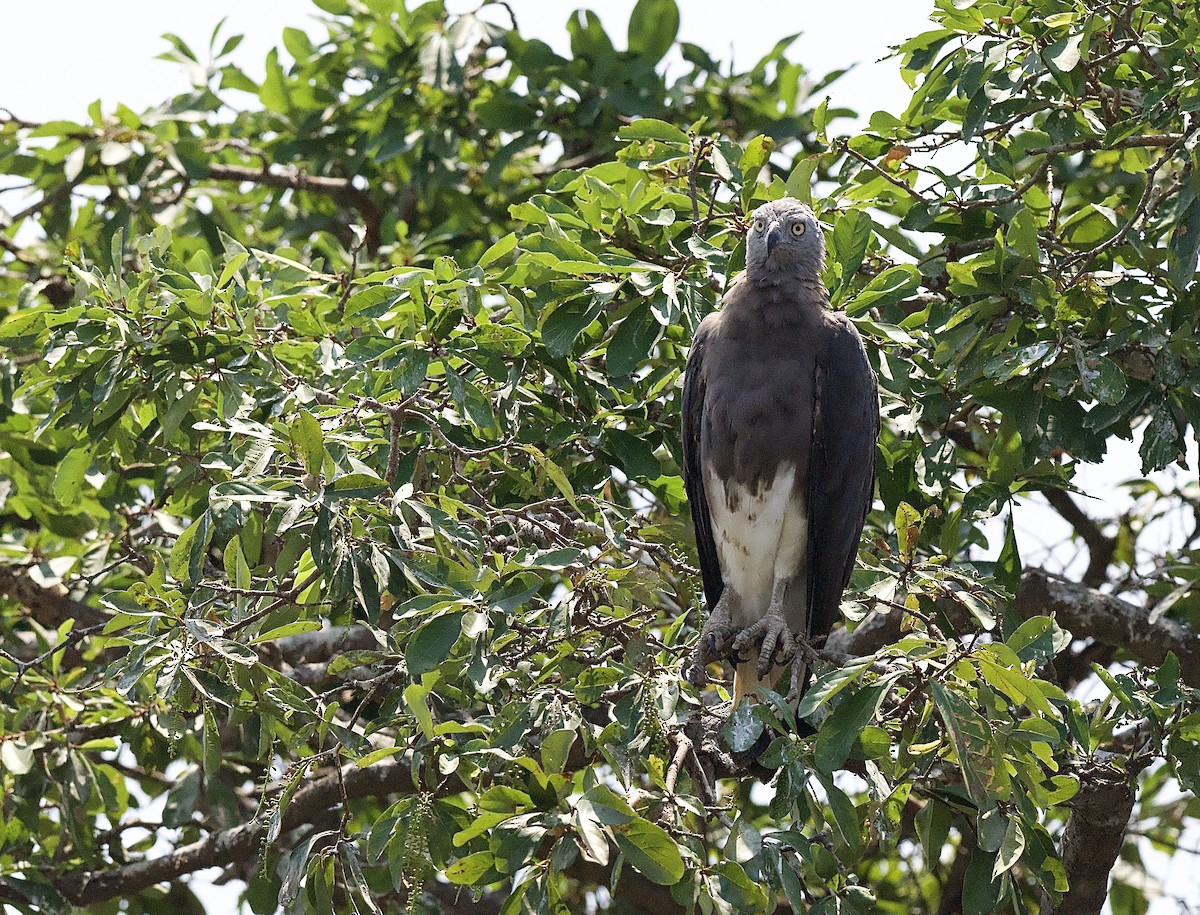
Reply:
x=339, y=472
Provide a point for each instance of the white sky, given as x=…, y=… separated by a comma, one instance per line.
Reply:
x=57, y=57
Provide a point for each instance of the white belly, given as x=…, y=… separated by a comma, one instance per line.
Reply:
x=761, y=538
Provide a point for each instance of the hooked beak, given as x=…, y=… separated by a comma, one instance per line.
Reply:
x=774, y=237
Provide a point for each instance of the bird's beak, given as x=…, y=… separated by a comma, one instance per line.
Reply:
x=774, y=237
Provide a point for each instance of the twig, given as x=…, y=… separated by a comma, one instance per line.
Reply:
x=284, y=598
x=888, y=176
x=1034, y=177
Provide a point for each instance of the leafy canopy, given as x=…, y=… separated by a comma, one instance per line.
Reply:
x=344, y=541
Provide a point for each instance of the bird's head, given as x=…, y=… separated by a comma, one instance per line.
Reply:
x=784, y=243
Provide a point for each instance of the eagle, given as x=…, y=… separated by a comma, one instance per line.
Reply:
x=780, y=420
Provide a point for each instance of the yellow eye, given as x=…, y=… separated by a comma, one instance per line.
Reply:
x=759, y=225
x=798, y=228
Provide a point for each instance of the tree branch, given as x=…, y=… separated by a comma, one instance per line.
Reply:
x=240, y=842
x=49, y=606
x=1093, y=838
x=1100, y=546
x=1087, y=612
x=340, y=189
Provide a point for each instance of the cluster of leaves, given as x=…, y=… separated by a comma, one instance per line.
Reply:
x=357, y=467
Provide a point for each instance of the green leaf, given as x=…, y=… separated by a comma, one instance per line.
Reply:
x=1102, y=378
x=500, y=249
x=16, y=756
x=846, y=817
x=1161, y=443
x=236, y=569
x=829, y=684
x=306, y=435
x=186, y=561
x=556, y=748
x=1184, y=245
x=1006, y=458
x=799, y=182
x=839, y=731
x=68, y=479
x=653, y=25
x=742, y=728
x=431, y=644
x=1008, y=564
x=651, y=850
x=848, y=243
x=182, y=797
x=933, y=828
x=908, y=528
x=894, y=284
x=738, y=890
x=758, y=151
x=282, y=632
x=632, y=341
x=981, y=892
x=971, y=735
x=652, y=129
x=274, y=92
x=590, y=832
x=1011, y=848
x=1063, y=55
x=211, y=745
x=1039, y=638
x=608, y=807
x=471, y=868
x=415, y=695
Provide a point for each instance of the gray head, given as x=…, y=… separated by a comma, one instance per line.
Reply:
x=784, y=243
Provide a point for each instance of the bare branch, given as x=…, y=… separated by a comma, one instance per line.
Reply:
x=1100, y=546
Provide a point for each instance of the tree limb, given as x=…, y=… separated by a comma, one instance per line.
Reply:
x=340, y=189
x=239, y=842
x=1093, y=838
x=1087, y=612
x=1100, y=546
x=49, y=606
x=1084, y=611
x=324, y=644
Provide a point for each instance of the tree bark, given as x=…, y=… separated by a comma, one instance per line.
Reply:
x=239, y=842
x=1093, y=838
x=1083, y=611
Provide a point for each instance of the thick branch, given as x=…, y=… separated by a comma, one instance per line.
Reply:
x=240, y=842
x=323, y=644
x=49, y=606
x=340, y=189
x=1100, y=546
x=633, y=890
x=1090, y=613
x=1084, y=611
x=1093, y=838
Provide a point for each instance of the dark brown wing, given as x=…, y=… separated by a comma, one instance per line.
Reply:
x=693, y=473
x=842, y=470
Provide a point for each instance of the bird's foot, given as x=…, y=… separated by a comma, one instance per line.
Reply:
x=778, y=643
x=715, y=640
